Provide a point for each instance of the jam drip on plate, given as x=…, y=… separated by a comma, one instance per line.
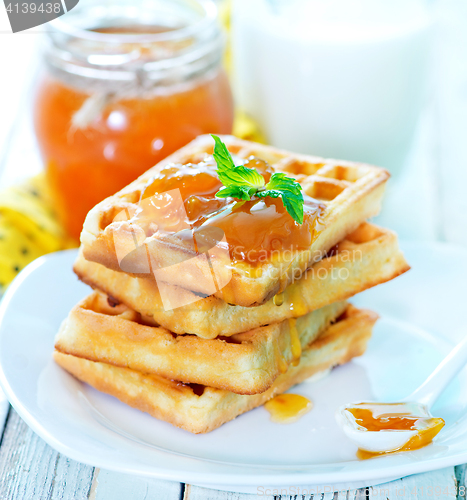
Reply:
x=288, y=408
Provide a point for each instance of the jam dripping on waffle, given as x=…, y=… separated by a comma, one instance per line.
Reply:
x=253, y=229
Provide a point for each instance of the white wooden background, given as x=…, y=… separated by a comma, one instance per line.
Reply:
x=426, y=201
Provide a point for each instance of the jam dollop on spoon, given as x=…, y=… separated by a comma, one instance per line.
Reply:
x=379, y=428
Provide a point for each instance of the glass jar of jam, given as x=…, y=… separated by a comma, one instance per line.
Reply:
x=126, y=85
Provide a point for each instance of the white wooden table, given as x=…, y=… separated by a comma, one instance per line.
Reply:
x=427, y=201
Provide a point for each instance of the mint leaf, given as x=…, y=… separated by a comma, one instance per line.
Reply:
x=289, y=190
x=242, y=183
x=222, y=155
x=239, y=192
x=231, y=175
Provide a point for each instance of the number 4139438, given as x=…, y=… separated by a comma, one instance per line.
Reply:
x=32, y=8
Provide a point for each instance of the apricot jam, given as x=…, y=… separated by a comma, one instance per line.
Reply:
x=117, y=100
x=198, y=185
x=387, y=421
x=257, y=229
x=253, y=229
x=85, y=166
x=288, y=408
x=426, y=427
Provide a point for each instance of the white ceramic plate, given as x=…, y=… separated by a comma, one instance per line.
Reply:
x=99, y=430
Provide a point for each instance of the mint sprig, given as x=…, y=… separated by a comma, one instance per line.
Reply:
x=242, y=183
x=239, y=192
x=289, y=190
x=232, y=175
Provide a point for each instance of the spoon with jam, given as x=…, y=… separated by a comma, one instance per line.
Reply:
x=379, y=428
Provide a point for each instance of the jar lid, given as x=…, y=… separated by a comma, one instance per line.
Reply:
x=162, y=41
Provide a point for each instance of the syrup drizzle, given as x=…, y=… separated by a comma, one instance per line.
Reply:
x=298, y=306
x=278, y=299
x=296, y=345
x=282, y=364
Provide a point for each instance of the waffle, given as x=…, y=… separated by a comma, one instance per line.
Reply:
x=350, y=192
x=248, y=363
x=200, y=409
x=368, y=256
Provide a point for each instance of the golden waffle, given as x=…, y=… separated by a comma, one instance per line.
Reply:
x=201, y=409
x=368, y=256
x=351, y=193
x=246, y=363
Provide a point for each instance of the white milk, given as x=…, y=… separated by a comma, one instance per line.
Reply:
x=336, y=78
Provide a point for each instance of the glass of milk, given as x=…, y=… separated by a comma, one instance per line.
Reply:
x=335, y=78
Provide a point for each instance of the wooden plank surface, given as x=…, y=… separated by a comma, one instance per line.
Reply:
x=198, y=493
x=30, y=469
x=461, y=476
x=108, y=485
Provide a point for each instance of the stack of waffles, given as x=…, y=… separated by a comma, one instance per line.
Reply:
x=180, y=329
